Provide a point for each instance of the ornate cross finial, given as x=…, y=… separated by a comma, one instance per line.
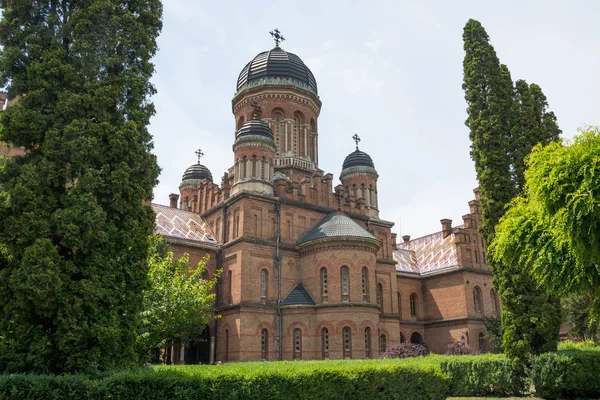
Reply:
x=277, y=36
x=256, y=108
x=356, y=138
x=199, y=153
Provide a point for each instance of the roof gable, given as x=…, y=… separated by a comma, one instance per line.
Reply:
x=298, y=295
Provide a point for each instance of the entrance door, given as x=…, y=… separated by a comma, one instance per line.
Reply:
x=199, y=351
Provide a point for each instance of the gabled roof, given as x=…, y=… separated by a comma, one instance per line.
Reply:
x=336, y=224
x=174, y=222
x=298, y=295
x=427, y=254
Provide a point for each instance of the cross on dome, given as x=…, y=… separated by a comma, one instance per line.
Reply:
x=277, y=36
x=199, y=153
x=356, y=138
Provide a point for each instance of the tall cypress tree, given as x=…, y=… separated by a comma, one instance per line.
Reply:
x=530, y=317
x=74, y=225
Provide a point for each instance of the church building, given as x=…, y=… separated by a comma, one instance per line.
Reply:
x=310, y=270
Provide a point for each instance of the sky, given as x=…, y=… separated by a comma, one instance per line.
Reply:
x=390, y=71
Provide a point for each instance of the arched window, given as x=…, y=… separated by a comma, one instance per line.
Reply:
x=230, y=286
x=367, y=342
x=380, y=296
x=382, y=344
x=278, y=119
x=324, y=284
x=402, y=338
x=244, y=168
x=297, y=344
x=495, y=302
x=345, y=283
x=400, y=305
x=226, y=344
x=477, y=299
x=416, y=338
x=365, y=284
x=264, y=281
x=347, y=337
x=413, y=305
x=481, y=342
x=264, y=344
x=325, y=343
x=254, y=173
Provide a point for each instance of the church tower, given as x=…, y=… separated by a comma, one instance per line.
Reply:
x=286, y=90
x=359, y=179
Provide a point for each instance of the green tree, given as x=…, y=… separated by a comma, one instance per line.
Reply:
x=178, y=304
x=74, y=224
x=554, y=229
x=494, y=333
x=530, y=317
x=578, y=313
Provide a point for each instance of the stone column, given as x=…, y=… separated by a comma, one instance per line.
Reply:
x=211, y=357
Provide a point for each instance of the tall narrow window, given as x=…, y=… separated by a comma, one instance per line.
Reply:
x=226, y=344
x=481, y=342
x=297, y=344
x=413, y=305
x=347, y=337
x=477, y=299
x=494, y=298
x=277, y=133
x=325, y=343
x=382, y=344
x=345, y=284
x=365, y=284
x=264, y=344
x=367, y=342
x=255, y=218
x=402, y=338
x=399, y=305
x=324, y=284
x=254, y=173
x=380, y=296
x=230, y=286
x=264, y=281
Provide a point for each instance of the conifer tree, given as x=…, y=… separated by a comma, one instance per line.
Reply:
x=530, y=317
x=74, y=224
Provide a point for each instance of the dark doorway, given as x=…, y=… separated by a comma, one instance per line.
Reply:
x=199, y=351
x=416, y=338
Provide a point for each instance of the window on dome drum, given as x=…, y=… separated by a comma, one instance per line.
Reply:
x=264, y=280
x=324, y=284
x=297, y=344
x=325, y=343
x=399, y=305
x=367, y=342
x=365, y=284
x=345, y=283
x=347, y=336
x=380, y=296
x=481, y=342
x=382, y=344
x=278, y=118
x=226, y=344
x=413, y=305
x=477, y=300
x=264, y=344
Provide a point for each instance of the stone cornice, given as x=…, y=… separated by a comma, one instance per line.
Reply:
x=336, y=243
x=266, y=92
x=358, y=171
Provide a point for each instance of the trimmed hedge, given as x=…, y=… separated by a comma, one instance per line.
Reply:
x=565, y=374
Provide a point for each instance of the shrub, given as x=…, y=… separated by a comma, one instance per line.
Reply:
x=567, y=374
x=404, y=350
x=582, y=345
x=459, y=348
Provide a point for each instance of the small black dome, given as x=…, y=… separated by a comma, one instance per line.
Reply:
x=358, y=159
x=277, y=63
x=197, y=171
x=254, y=127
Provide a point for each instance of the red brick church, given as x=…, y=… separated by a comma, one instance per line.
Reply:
x=309, y=268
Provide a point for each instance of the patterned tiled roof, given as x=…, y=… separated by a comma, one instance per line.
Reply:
x=336, y=224
x=298, y=295
x=182, y=224
x=427, y=254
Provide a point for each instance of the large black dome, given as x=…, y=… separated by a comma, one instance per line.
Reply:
x=358, y=159
x=197, y=171
x=277, y=63
x=255, y=127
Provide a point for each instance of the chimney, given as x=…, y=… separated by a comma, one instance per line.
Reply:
x=406, y=238
x=173, y=199
x=446, y=227
x=394, y=244
x=477, y=194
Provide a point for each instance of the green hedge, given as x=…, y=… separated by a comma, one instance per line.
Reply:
x=565, y=374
